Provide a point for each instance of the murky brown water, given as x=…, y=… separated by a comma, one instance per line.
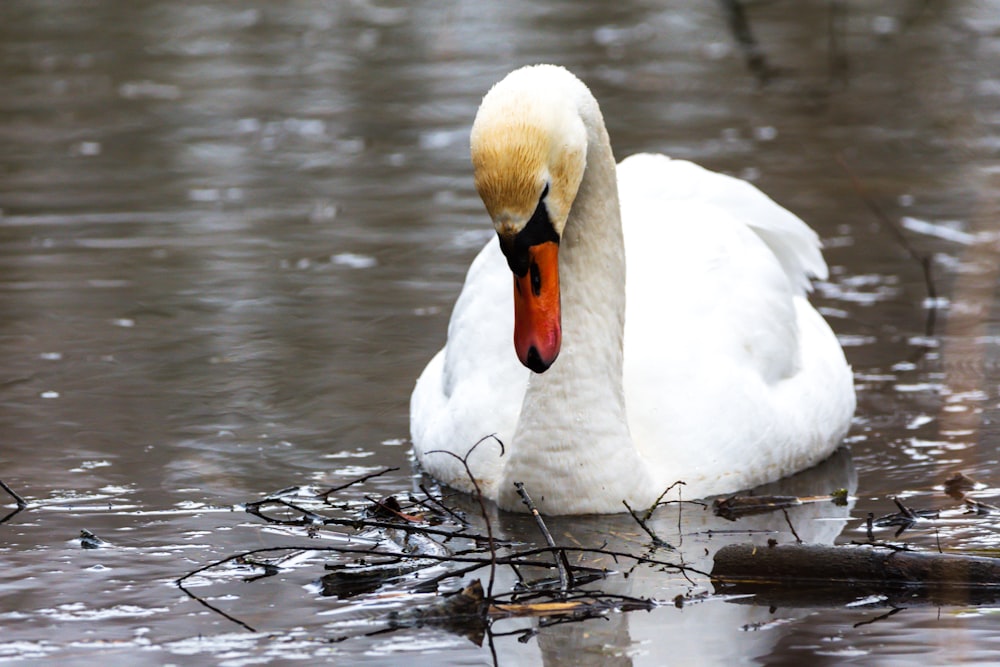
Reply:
x=231, y=235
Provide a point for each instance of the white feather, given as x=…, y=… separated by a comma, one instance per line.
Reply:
x=730, y=377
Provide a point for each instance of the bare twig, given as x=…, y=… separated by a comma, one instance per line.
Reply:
x=657, y=541
x=881, y=617
x=562, y=566
x=209, y=605
x=307, y=518
x=311, y=518
x=493, y=648
x=325, y=495
x=179, y=582
x=479, y=498
x=518, y=557
x=523, y=558
x=21, y=502
x=905, y=518
x=904, y=510
x=444, y=507
x=680, y=506
x=652, y=508
x=373, y=564
x=391, y=507
x=790, y=526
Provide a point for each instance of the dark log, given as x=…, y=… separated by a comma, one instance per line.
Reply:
x=462, y=613
x=861, y=566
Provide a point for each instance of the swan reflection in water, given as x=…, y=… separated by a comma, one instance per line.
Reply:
x=684, y=635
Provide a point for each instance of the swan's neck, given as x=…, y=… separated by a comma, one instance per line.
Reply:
x=573, y=424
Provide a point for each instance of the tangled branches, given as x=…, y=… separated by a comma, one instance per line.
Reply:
x=417, y=543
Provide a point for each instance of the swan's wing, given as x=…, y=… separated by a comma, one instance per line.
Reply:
x=793, y=242
x=728, y=369
x=475, y=385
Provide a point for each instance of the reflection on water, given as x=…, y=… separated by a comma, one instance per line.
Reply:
x=231, y=236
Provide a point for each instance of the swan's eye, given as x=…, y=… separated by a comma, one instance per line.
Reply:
x=536, y=279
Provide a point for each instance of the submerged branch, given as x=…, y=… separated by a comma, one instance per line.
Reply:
x=326, y=494
x=22, y=504
x=657, y=541
x=562, y=566
x=479, y=498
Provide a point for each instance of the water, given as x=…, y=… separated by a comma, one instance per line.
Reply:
x=232, y=234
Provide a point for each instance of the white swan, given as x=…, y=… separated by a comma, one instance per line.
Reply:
x=718, y=372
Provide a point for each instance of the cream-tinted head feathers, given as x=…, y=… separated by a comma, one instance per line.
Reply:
x=529, y=134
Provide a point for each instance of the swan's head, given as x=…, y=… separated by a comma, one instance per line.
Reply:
x=529, y=150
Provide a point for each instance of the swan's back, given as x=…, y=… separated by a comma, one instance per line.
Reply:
x=657, y=178
x=725, y=359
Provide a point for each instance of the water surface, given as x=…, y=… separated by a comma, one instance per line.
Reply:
x=231, y=236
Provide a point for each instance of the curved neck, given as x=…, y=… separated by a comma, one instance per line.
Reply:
x=592, y=275
x=573, y=424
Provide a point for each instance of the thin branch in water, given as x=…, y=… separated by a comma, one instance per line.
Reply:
x=493, y=648
x=562, y=565
x=680, y=507
x=241, y=557
x=905, y=518
x=368, y=562
x=325, y=495
x=881, y=617
x=657, y=541
x=391, y=507
x=790, y=526
x=479, y=498
x=21, y=502
x=210, y=606
x=424, y=504
x=309, y=517
x=652, y=508
x=444, y=507
x=519, y=558
x=270, y=570
x=680, y=504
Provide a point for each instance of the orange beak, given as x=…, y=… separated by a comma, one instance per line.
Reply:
x=537, y=321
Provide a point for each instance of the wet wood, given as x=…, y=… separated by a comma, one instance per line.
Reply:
x=90, y=541
x=737, y=507
x=21, y=502
x=850, y=565
x=463, y=613
x=958, y=485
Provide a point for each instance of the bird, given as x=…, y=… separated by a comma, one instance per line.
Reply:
x=658, y=328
